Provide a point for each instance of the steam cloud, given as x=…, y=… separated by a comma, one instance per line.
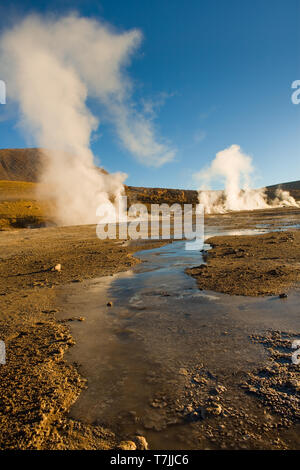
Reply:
x=235, y=168
x=52, y=66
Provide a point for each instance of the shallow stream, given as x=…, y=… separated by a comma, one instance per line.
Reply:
x=160, y=329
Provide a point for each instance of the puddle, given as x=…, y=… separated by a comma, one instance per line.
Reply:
x=159, y=325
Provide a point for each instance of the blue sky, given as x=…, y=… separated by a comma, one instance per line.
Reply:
x=220, y=73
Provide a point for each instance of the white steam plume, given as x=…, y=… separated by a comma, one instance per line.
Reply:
x=51, y=67
x=234, y=168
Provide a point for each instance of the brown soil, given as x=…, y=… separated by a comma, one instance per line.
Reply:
x=251, y=265
x=37, y=386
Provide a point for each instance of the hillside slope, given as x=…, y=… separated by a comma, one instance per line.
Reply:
x=25, y=164
x=293, y=187
x=20, y=164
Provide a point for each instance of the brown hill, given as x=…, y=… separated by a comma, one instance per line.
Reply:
x=20, y=164
x=293, y=187
x=25, y=164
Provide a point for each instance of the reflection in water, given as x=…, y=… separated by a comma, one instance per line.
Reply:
x=160, y=324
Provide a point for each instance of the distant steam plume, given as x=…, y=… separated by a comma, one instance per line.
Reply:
x=51, y=67
x=234, y=168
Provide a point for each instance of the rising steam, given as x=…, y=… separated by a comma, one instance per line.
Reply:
x=51, y=67
x=234, y=169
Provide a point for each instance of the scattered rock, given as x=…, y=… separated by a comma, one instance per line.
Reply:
x=220, y=389
x=156, y=403
x=200, y=380
x=193, y=414
x=109, y=304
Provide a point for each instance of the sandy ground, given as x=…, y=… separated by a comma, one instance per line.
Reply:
x=37, y=385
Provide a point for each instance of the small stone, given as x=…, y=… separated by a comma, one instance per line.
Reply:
x=295, y=384
x=183, y=371
x=109, y=304
x=127, y=445
x=220, y=389
x=158, y=404
x=200, y=380
x=57, y=268
x=214, y=409
x=283, y=296
x=142, y=444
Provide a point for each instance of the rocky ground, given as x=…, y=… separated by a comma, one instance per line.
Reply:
x=266, y=264
x=37, y=386
x=247, y=410
x=261, y=265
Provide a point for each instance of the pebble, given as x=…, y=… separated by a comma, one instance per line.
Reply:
x=57, y=268
x=220, y=389
x=127, y=445
x=200, y=380
x=214, y=409
x=283, y=296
